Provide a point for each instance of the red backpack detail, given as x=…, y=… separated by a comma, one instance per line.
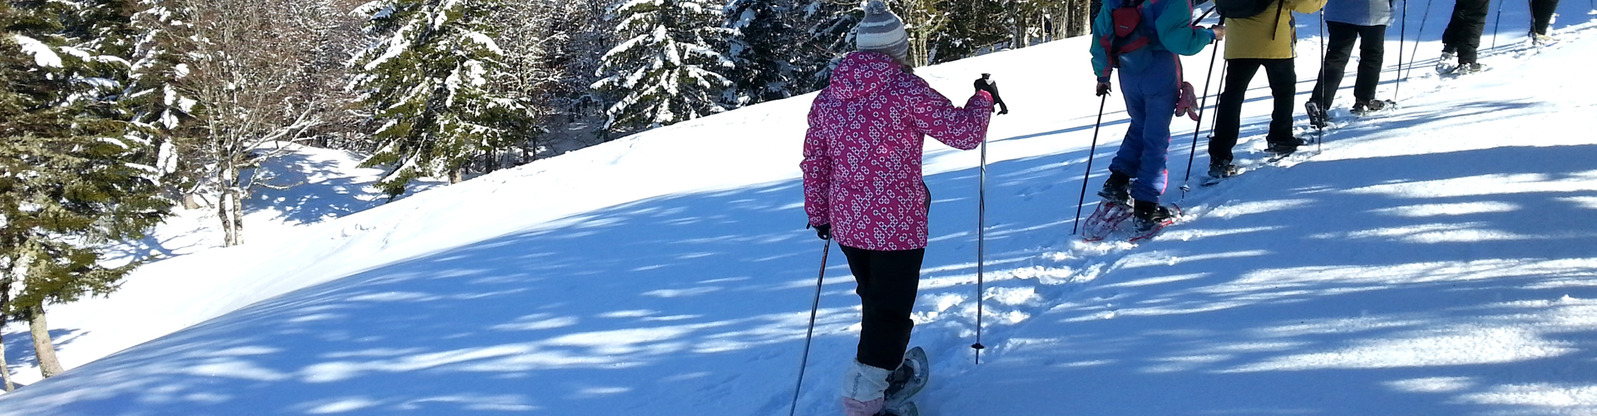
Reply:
x=1127, y=35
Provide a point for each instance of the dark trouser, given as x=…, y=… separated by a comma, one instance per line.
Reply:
x=1541, y=12
x=1463, y=33
x=1371, y=50
x=1283, y=78
x=887, y=282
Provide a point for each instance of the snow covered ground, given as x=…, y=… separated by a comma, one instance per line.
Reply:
x=1436, y=260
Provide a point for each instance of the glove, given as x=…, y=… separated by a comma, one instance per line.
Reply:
x=824, y=231
x=1103, y=89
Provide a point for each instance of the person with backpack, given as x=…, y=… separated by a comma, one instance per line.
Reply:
x=863, y=186
x=1541, y=12
x=1348, y=21
x=986, y=83
x=1141, y=38
x=1462, y=38
x=1262, y=39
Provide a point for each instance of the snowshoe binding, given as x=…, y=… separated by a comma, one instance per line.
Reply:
x=909, y=378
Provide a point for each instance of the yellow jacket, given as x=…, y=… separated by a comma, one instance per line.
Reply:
x=1250, y=38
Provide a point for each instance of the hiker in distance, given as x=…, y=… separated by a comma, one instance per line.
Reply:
x=863, y=186
x=986, y=83
x=1264, y=40
x=1141, y=38
x=1348, y=21
x=1462, y=39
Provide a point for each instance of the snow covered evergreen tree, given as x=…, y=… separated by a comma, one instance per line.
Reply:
x=69, y=175
x=426, y=82
x=163, y=111
x=829, y=35
x=763, y=46
x=669, y=67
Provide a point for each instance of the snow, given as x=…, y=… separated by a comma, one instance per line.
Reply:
x=43, y=56
x=1434, y=260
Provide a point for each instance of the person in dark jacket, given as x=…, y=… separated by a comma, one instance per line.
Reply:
x=986, y=83
x=863, y=185
x=1347, y=21
x=1462, y=39
x=1150, y=80
x=1541, y=12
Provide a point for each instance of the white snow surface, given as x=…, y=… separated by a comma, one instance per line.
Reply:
x=1434, y=260
x=43, y=56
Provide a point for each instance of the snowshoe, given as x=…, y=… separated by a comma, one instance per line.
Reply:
x=1285, y=147
x=1372, y=106
x=1151, y=218
x=909, y=378
x=902, y=409
x=1105, y=220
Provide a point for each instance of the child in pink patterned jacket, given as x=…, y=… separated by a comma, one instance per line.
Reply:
x=863, y=185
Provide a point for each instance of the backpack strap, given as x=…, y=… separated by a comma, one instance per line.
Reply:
x=1280, y=6
x=1128, y=34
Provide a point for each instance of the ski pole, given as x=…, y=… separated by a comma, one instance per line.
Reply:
x=1497, y=22
x=1419, y=33
x=1193, y=154
x=981, y=242
x=825, y=251
x=1093, y=151
x=1402, y=35
x=1319, y=131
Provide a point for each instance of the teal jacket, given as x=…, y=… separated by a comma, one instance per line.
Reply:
x=1169, y=22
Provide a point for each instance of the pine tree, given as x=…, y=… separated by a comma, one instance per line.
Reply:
x=829, y=35
x=763, y=46
x=163, y=111
x=426, y=81
x=531, y=76
x=69, y=175
x=668, y=69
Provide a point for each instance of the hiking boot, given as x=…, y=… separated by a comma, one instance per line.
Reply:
x=1285, y=146
x=1117, y=188
x=1368, y=106
x=1222, y=169
x=1469, y=68
x=1317, y=116
x=1149, y=214
x=1537, y=39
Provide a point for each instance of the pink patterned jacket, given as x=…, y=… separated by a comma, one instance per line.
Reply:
x=862, y=154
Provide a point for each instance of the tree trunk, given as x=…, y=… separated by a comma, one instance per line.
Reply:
x=191, y=201
x=230, y=208
x=49, y=366
x=5, y=368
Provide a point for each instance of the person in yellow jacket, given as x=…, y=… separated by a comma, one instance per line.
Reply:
x=1264, y=40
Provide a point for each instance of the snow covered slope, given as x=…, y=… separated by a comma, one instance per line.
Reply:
x=1436, y=260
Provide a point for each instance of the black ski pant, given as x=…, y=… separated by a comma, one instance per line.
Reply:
x=1541, y=12
x=888, y=281
x=1372, y=40
x=1463, y=34
x=1283, y=78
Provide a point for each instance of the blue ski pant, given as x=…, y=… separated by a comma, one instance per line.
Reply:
x=1150, y=95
